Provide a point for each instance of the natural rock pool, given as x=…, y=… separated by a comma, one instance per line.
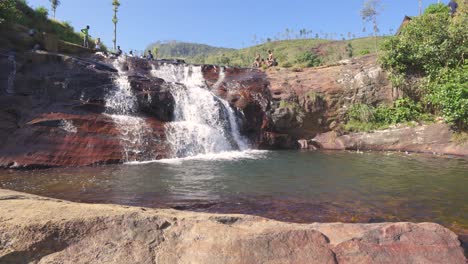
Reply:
x=288, y=186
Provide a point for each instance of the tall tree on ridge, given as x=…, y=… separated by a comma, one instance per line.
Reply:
x=369, y=13
x=116, y=4
x=54, y=4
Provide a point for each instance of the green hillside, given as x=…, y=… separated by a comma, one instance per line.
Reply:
x=175, y=49
x=14, y=12
x=289, y=53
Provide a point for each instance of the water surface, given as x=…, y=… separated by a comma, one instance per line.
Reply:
x=287, y=185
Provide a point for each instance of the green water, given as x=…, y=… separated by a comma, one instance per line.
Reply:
x=289, y=186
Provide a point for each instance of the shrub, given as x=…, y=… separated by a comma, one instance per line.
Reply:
x=8, y=11
x=361, y=112
x=309, y=59
x=437, y=9
x=403, y=110
x=448, y=93
x=364, y=52
x=42, y=12
x=362, y=117
x=425, y=45
x=427, y=61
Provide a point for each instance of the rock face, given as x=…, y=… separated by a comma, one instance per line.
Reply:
x=323, y=94
x=35, y=229
x=246, y=90
x=309, y=107
x=55, y=113
x=434, y=138
x=54, y=110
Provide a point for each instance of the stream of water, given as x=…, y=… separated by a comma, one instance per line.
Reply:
x=121, y=105
x=284, y=185
x=203, y=124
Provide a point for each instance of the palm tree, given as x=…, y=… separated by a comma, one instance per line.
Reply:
x=55, y=4
x=116, y=4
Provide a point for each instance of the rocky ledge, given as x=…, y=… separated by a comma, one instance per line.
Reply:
x=36, y=229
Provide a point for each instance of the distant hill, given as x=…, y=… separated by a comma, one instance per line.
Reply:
x=184, y=50
x=288, y=52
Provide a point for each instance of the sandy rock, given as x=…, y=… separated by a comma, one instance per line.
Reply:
x=36, y=229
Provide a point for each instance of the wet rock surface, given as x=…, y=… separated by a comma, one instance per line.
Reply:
x=56, y=114
x=43, y=230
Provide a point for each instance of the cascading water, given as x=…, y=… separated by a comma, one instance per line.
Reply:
x=204, y=123
x=121, y=103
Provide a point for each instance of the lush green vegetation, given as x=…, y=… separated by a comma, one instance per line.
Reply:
x=361, y=117
x=175, y=49
x=296, y=53
x=427, y=62
x=14, y=11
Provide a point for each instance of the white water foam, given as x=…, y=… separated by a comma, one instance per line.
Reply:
x=134, y=133
x=230, y=155
x=204, y=123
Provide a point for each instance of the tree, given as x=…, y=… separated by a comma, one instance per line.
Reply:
x=54, y=5
x=369, y=13
x=116, y=4
x=8, y=11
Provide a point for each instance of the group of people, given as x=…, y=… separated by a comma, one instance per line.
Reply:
x=98, y=46
x=269, y=62
x=97, y=43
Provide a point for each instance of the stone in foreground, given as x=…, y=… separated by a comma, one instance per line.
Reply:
x=35, y=229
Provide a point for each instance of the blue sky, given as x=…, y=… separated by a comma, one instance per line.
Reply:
x=222, y=23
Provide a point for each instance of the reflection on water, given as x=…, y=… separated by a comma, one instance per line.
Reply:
x=290, y=186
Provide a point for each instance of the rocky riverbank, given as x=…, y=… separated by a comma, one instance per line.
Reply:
x=36, y=229
x=310, y=106
x=54, y=109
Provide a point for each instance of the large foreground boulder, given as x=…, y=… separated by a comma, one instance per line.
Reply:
x=35, y=229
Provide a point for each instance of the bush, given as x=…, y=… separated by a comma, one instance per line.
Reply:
x=364, y=52
x=449, y=95
x=427, y=61
x=403, y=110
x=362, y=117
x=425, y=45
x=42, y=12
x=309, y=59
x=437, y=9
x=361, y=112
x=8, y=11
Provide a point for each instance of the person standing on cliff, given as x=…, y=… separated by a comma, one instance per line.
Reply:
x=271, y=59
x=453, y=7
x=85, y=32
x=150, y=56
x=98, y=44
x=257, y=61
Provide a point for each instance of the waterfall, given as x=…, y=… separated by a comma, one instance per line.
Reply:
x=203, y=123
x=134, y=133
x=12, y=75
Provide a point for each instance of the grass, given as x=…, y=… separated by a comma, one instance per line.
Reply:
x=287, y=52
x=460, y=137
x=37, y=19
